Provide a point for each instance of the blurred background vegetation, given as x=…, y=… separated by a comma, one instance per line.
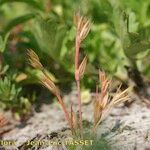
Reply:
x=46, y=26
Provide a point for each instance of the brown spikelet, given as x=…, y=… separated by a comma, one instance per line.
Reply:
x=45, y=79
x=82, y=67
x=49, y=84
x=34, y=60
x=83, y=26
x=104, y=82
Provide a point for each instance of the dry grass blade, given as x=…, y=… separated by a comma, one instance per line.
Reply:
x=82, y=67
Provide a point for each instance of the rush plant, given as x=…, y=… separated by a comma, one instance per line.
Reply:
x=104, y=100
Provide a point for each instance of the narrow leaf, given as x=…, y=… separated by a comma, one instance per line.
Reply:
x=17, y=21
x=32, y=3
x=3, y=42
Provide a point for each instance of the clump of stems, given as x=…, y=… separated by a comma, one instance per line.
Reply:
x=104, y=102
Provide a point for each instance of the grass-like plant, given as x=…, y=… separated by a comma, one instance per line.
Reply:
x=46, y=81
x=82, y=29
x=104, y=101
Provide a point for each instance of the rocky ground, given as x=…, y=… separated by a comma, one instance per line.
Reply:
x=126, y=128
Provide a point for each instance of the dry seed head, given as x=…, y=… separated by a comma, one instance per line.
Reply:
x=82, y=67
x=83, y=26
x=46, y=81
x=103, y=103
x=104, y=81
x=120, y=97
x=34, y=60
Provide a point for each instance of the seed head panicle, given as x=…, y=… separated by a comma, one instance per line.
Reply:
x=104, y=103
x=34, y=60
x=105, y=83
x=46, y=81
x=83, y=26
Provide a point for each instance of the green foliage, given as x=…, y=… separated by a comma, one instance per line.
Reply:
x=132, y=42
x=3, y=42
x=11, y=96
x=17, y=21
x=3, y=69
x=32, y=3
x=51, y=33
x=8, y=91
x=47, y=27
x=98, y=143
